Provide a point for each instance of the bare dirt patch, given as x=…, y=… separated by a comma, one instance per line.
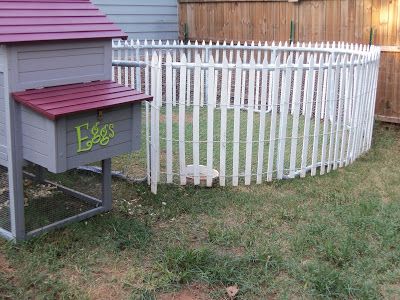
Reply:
x=5, y=267
x=175, y=118
x=192, y=292
x=106, y=282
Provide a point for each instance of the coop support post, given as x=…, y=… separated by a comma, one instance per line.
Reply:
x=15, y=160
x=106, y=184
x=15, y=172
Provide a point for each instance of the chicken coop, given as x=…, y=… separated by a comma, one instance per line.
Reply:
x=59, y=109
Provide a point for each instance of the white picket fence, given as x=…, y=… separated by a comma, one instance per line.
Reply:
x=251, y=112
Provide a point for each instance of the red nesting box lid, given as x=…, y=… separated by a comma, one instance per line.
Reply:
x=64, y=100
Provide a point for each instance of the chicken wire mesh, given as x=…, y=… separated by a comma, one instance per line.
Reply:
x=4, y=200
x=46, y=204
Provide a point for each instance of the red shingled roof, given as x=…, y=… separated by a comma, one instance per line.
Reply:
x=63, y=100
x=43, y=20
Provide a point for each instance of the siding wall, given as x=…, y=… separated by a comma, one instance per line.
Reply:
x=36, y=137
x=49, y=64
x=152, y=19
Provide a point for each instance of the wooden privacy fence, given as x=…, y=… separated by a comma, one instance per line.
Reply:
x=313, y=20
x=251, y=113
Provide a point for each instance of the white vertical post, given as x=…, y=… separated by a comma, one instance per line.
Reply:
x=263, y=111
x=126, y=58
x=340, y=128
x=168, y=116
x=154, y=124
x=298, y=79
x=230, y=75
x=216, y=73
x=242, y=101
x=274, y=110
x=236, y=121
x=272, y=61
x=189, y=76
x=182, y=121
x=113, y=57
x=333, y=112
x=119, y=69
x=223, y=123
x=308, y=101
x=174, y=75
x=203, y=44
x=210, y=120
x=133, y=58
x=317, y=120
x=326, y=105
x=346, y=113
x=284, y=110
x=148, y=136
x=196, y=120
x=250, y=124
x=257, y=95
x=138, y=75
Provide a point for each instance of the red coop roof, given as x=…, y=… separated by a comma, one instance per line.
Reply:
x=60, y=101
x=44, y=20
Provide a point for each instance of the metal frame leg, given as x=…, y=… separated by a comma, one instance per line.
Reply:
x=106, y=186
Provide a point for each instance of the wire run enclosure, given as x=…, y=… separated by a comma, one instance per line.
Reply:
x=59, y=109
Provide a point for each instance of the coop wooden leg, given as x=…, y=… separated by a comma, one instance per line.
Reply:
x=106, y=187
x=15, y=172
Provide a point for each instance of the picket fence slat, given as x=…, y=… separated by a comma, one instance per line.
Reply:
x=263, y=110
x=308, y=98
x=295, y=118
x=182, y=120
x=168, y=115
x=196, y=121
x=326, y=100
x=236, y=121
x=250, y=123
x=210, y=121
x=223, y=122
x=317, y=121
x=274, y=109
x=284, y=110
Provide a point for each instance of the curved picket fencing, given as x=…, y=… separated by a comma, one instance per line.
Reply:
x=237, y=113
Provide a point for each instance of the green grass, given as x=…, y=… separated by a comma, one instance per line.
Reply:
x=331, y=236
x=134, y=164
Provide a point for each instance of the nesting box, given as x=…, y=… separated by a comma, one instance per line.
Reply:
x=59, y=107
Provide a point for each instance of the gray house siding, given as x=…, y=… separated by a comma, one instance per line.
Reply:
x=152, y=19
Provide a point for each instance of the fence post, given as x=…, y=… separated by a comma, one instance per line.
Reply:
x=210, y=118
x=182, y=121
x=154, y=124
x=296, y=112
x=168, y=114
x=236, y=121
x=196, y=119
x=274, y=111
x=263, y=110
x=223, y=123
x=284, y=111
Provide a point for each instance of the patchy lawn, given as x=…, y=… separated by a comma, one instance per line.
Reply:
x=331, y=236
